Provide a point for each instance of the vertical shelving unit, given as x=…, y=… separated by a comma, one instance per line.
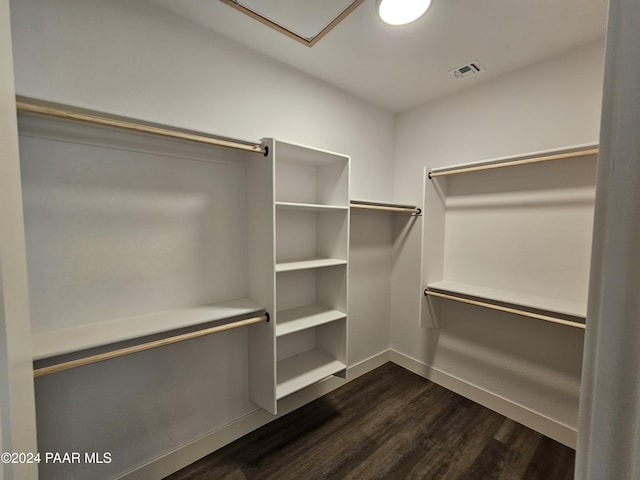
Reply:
x=143, y=241
x=312, y=238
x=137, y=231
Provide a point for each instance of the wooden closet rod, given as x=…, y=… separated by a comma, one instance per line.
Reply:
x=136, y=127
x=101, y=357
x=414, y=210
x=512, y=163
x=500, y=308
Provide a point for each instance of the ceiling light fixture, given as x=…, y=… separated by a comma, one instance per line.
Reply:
x=401, y=12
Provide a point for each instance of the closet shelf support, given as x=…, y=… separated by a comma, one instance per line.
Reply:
x=25, y=107
x=500, y=308
x=101, y=357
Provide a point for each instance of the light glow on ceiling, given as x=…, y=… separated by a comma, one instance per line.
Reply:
x=401, y=12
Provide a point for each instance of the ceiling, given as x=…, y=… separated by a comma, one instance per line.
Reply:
x=399, y=68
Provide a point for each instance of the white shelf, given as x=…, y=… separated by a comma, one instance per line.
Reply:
x=296, y=319
x=292, y=151
x=312, y=233
x=300, y=371
x=563, y=307
x=307, y=263
x=310, y=207
x=73, y=339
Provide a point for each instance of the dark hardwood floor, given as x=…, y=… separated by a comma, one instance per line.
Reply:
x=388, y=424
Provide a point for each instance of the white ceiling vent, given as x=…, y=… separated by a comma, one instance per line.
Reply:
x=467, y=70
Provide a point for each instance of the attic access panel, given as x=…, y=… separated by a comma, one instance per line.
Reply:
x=305, y=21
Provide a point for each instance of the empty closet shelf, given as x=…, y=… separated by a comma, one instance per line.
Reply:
x=301, y=318
x=310, y=207
x=542, y=308
x=73, y=339
x=307, y=263
x=300, y=371
x=144, y=346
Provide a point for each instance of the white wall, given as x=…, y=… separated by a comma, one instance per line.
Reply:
x=608, y=445
x=548, y=105
x=17, y=422
x=370, y=260
x=132, y=59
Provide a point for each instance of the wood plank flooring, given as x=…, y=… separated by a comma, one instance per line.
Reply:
x=388, y=424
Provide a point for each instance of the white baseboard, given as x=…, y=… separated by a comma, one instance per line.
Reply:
x=560, y=432
x=187, y=454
